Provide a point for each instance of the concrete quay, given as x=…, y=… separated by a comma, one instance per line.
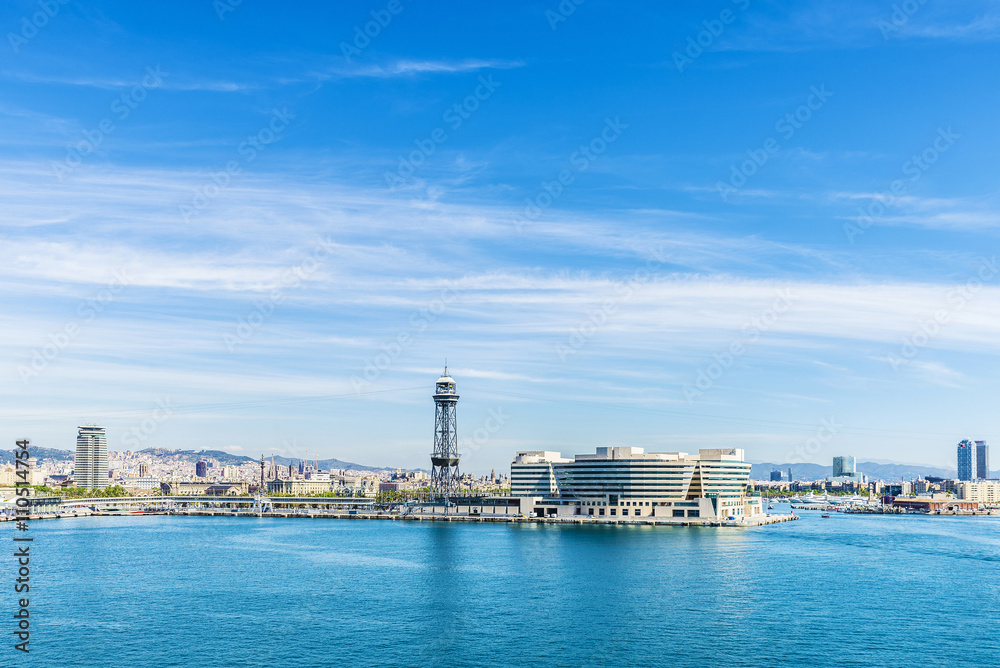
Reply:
x=427, y=517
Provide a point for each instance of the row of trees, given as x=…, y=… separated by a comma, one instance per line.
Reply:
x=82, y=492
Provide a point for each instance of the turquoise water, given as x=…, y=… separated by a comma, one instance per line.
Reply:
x=187, y=591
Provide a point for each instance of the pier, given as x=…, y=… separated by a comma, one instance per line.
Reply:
x=343, y=509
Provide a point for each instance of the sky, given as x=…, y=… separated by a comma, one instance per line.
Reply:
x=266, y=228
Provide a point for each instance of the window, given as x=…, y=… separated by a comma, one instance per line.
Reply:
x=694, y=513
x=592, y=511
x=678, y=512
x=637, y=512
x=624, y=511
x=614, y=511
x=601, y=510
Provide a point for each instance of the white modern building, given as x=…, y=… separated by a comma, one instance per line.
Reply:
x=627, y=482
x=91, y=464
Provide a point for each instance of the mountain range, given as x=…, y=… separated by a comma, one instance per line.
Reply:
x=224, y=458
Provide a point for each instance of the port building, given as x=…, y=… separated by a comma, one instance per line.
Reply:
x=628, y=482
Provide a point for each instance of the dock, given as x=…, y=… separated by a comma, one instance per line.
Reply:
x=427, y=517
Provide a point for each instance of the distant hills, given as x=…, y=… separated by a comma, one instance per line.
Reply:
x=227, y=459
x=224, y=458
x=327, y=464
x=41, y=454
x=875, y=471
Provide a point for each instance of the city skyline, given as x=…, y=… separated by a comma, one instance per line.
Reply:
x=657, y=245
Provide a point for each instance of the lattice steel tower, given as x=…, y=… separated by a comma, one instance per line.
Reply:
x=444, y=460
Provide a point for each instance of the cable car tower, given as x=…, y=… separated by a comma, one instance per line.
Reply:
x=444, y=460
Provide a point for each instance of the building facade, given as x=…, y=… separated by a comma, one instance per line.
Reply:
x=90, y=466
x=843, y=466
x=300, y=487
x=986, y=492
x=982, y=460
x=627, y=482
x=966, y=460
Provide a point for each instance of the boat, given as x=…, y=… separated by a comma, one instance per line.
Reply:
x=770, y=506
x=825, y=515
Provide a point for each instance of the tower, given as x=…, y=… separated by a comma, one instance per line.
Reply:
x=982, y=460
x=444, y=460
x=966, y=460
x=90, y=468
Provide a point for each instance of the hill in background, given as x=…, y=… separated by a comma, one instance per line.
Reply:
x=41, y=454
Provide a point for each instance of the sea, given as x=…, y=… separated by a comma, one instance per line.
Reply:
x=848, y=590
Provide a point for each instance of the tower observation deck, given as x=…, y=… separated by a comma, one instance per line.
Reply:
x=444, y=459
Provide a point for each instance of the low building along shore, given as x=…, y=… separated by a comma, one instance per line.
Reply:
x=626, y=482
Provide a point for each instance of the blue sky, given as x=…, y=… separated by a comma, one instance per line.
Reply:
x=246, y=226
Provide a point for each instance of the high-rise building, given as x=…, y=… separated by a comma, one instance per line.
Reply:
x=789, y=474
x=201, y=469
x=843, y=466
x=966, y=460
x=982, y=460
x=143, y=470
x=90, y=468
x=775, y=475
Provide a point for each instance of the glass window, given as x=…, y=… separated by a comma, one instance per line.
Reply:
x=678, y=512
x=624, y=511
x=614, y=511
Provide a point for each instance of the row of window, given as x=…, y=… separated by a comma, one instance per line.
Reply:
x=636, y=512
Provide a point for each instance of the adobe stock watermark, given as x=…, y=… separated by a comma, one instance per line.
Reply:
x=263, y=309
x=901, y=14
x=806, y=452
x=751, y=331
x=138, y=434
x=786, y=127
x=364, y=34
x=454, y=117
x=61, y=339
x=564, y=10
x=481, y=436
x=597, y=318
x=713, y=29
x=957, y=298
x=580, y=160
x=913, y=168
x=391, y=350
x=31, y=24
x=223, y=7
x=247, y=150
x=121, y=108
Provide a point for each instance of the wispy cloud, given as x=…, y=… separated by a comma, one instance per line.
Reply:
x=402, y=68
